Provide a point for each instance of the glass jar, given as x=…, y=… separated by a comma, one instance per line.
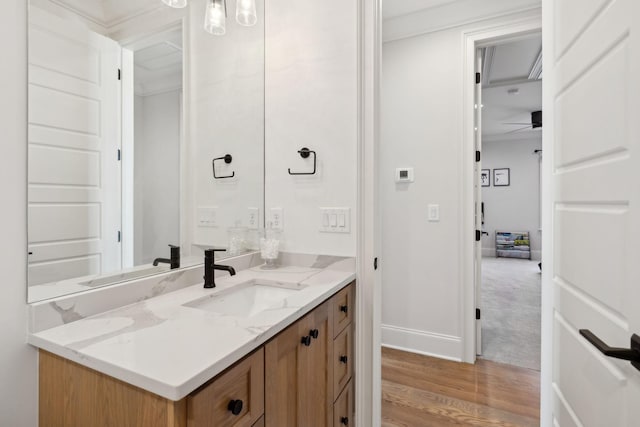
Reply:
x=237, y=240
x=270, y=240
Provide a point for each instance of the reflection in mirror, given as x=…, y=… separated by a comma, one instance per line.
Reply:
x=130, y=102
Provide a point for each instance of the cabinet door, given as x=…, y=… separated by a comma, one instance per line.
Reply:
x=343, y=409
x=342, y=307
x=342, y=361
x=235, y=398
x=299, y=373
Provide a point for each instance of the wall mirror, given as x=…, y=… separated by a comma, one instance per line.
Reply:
x=146, y=129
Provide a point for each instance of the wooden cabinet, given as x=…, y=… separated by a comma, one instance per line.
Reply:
x=298, y=369
x=301, y=378
x=342, y=309
x=234, y=398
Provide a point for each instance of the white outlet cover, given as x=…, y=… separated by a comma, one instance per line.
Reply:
x=433, y=212
x=253, y=218
x=277, y=218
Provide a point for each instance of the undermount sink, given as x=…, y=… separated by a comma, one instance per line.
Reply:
x=248, y=298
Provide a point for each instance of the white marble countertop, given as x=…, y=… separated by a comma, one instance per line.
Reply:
x=170, y=349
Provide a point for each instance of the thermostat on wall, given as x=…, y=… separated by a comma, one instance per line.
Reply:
x=404, y=175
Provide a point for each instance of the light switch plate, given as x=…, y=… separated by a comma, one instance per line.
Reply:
x=335, y=220
x=277, y=220
x=433, y=213
x=253, y=219
x=207, y=216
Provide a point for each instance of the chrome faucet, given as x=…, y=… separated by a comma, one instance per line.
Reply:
x=210, y=266
x=174, y=261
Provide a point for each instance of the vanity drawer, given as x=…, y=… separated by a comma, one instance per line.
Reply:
x=342, y=361
x=240, y=389
x=343, y=408
x=342, y=307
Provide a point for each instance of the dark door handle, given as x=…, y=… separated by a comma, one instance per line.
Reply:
x=235, y=406
x=306, y=340
x=344, y=420
x=344, y=359
x=314, y=333
x=344, y=309
x=631, y=354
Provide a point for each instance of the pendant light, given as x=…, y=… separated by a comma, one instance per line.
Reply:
x=246, y=13
x=215, y=17
x=178, y=4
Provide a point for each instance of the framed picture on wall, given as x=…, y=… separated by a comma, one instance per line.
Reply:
x=485, y=177
x=501, y=177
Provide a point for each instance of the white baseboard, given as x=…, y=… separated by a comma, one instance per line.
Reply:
x=422, y=342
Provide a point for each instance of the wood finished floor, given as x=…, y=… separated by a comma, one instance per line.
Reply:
x=423, y=391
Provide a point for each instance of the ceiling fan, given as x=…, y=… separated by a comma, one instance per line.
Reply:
x=536, y=122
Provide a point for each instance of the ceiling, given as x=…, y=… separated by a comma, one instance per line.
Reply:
x=511, y=89
x=394, y=8
x=108, y=12
x=158, y=64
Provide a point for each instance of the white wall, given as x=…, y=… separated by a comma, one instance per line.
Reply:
x=516, y=207
x=18, y=367
x=311, y=101
x=225, y=97
x=422, y=127
x=156, y=175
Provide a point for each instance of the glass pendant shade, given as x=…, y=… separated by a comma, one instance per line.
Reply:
x=178, y=4
x=215, y=17
x=246, y=13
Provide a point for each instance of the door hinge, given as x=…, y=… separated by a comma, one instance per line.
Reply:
x=478, y=78
x=375, y=263
x=119, y=236
x=119, y=74
x=477, y=156
x=477, y=314
x=478, y=235
x=119, y=154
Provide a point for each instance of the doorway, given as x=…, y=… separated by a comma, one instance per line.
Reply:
x=509, y=137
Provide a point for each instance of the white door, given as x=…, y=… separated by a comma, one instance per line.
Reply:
x=592, y=116
x=74, y=136
x=478, y=199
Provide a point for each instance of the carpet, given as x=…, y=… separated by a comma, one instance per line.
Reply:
x=510, y=302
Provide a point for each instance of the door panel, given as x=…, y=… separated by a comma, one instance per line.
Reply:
x=594, y=387
x=596, y=222
x=572, y=16
x=74, y=135
x=599, y=231
x=604, y=81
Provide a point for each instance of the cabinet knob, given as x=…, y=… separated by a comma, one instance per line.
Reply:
x=344, y=420
x=314, y=333
x=343, y=359
x=235, y=406
x=306, y=340
x=344, y=309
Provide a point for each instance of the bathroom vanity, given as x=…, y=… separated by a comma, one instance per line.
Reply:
x=270, y=348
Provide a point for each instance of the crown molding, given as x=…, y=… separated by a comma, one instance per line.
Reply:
x=452, y=15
